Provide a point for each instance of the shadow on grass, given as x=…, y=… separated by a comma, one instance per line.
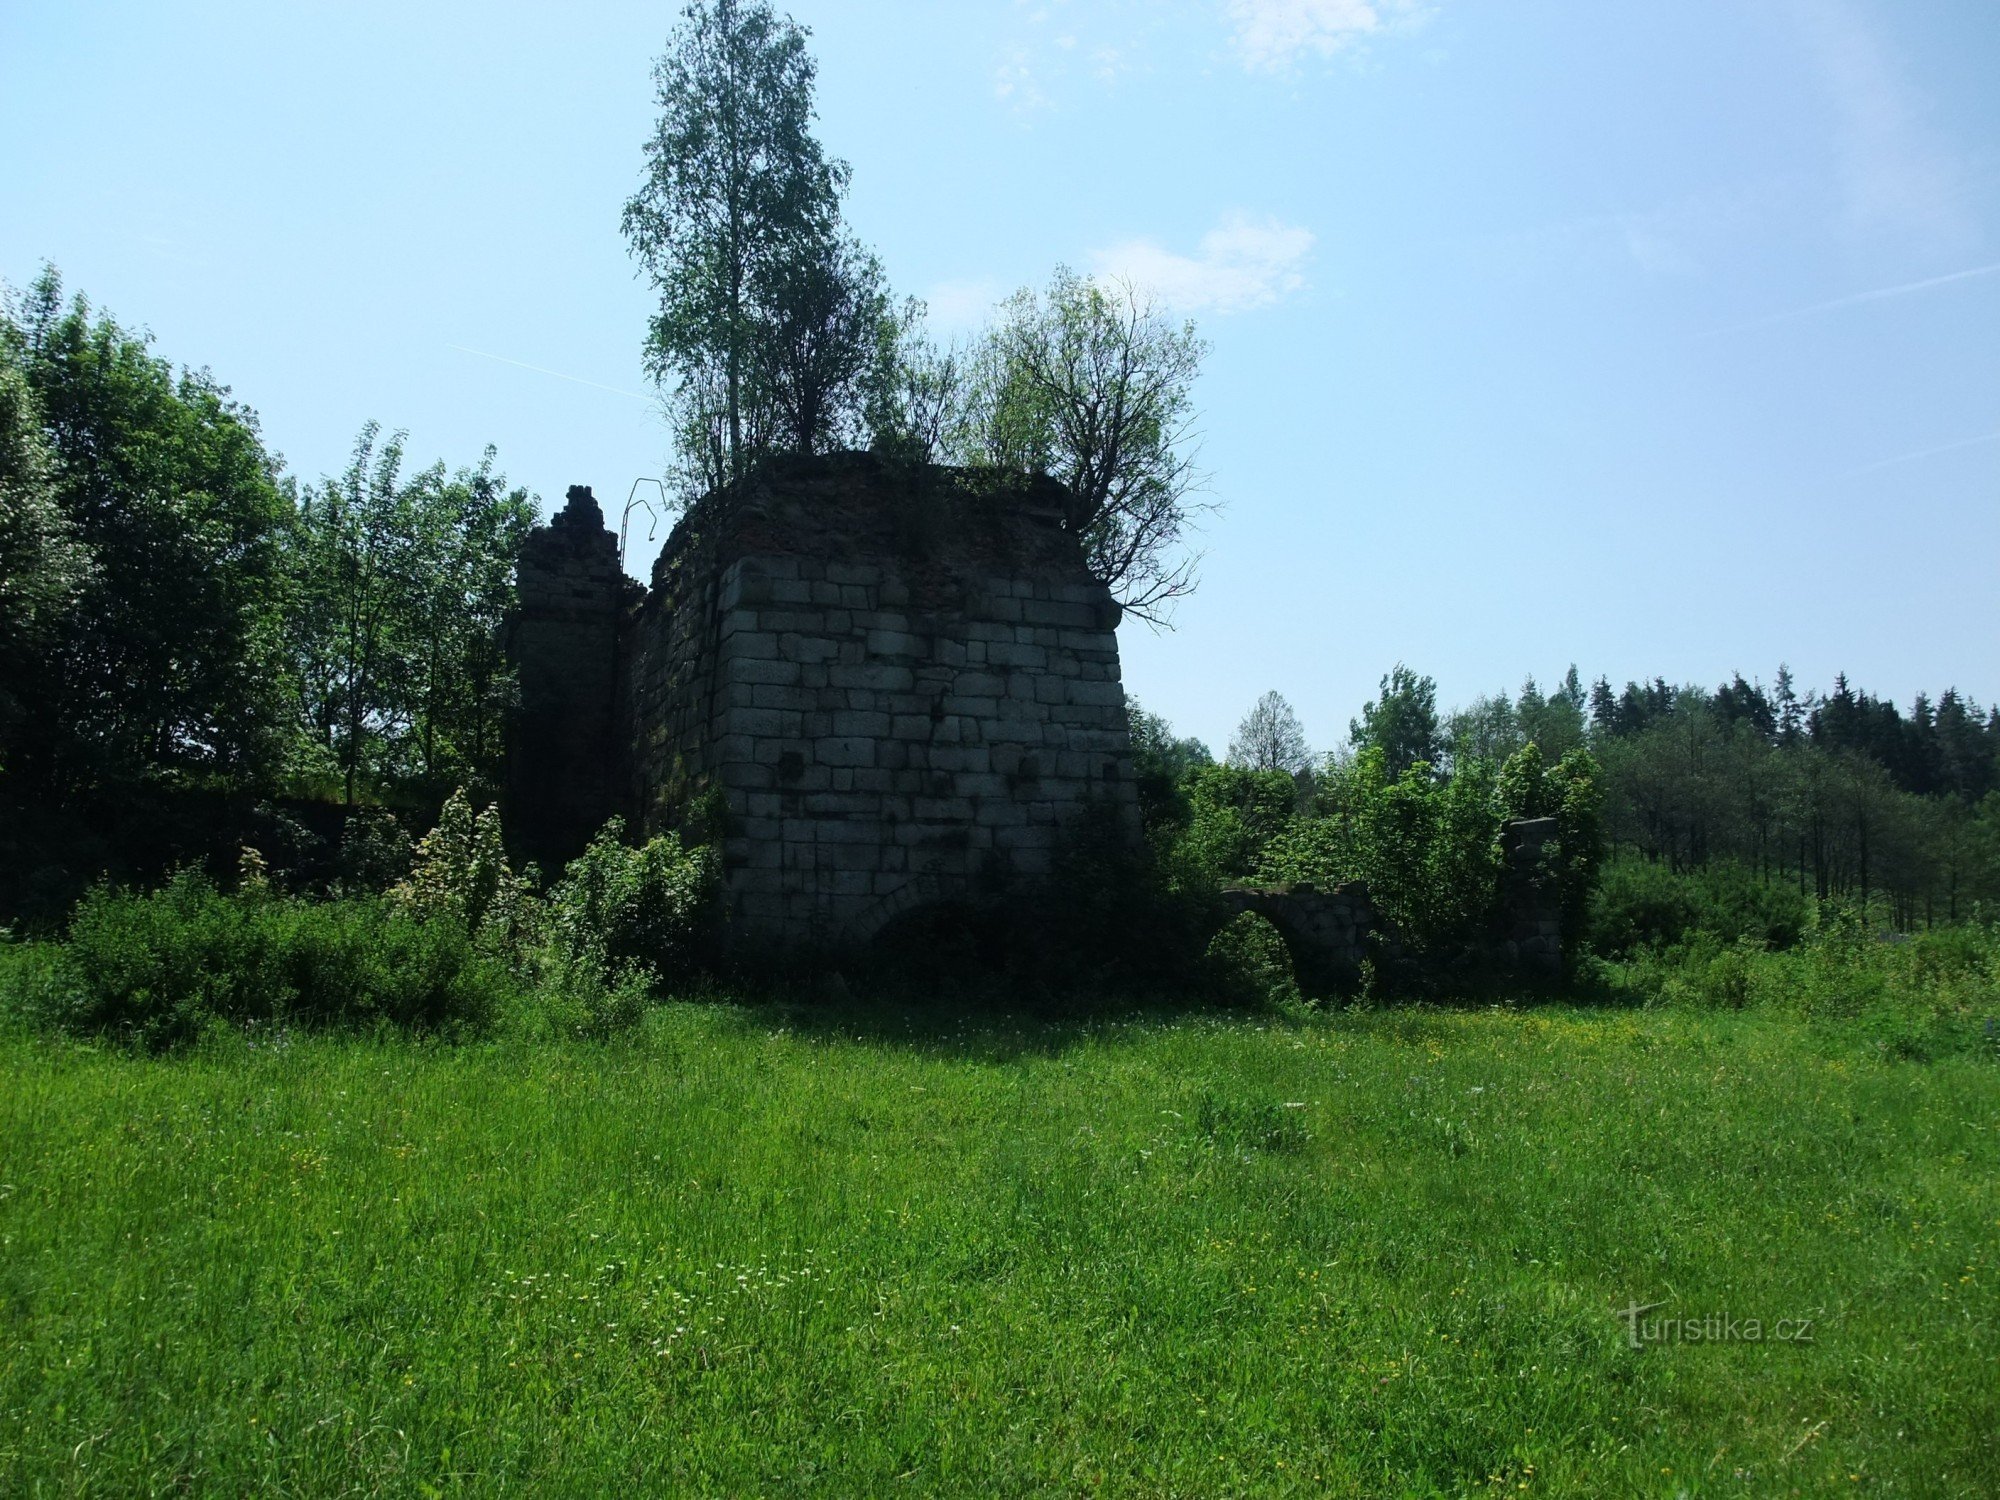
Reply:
x=993, y=1017
x=968, y=1021
x=958, y=980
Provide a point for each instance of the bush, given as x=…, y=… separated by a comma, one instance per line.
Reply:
x=1248, y=964
x=160, y=968
x=1232, y=815
x=461, y=878
x=375, y=852
x=1642, y=904
x=1921, y=996
x=1429, y=850
x=618, y=907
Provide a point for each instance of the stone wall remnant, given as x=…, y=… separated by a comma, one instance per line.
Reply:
x=1332, y=931
x=564, y=756
x=887, y=684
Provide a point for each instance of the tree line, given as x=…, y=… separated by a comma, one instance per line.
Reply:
x=177, y=612
x=1841, y=795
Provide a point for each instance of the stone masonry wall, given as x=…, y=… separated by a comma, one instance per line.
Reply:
x=565, y=758
x=899, y=697
x=1534, y=911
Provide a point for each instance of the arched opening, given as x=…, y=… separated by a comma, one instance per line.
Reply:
x=938, y=941
x=1253, y=960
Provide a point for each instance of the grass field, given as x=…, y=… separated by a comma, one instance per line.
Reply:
x=768, y=1251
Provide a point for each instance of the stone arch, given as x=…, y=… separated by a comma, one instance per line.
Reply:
x=1326, y=932
x=930, y=889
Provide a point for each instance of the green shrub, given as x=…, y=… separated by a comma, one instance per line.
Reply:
x=460, y=878
x=375, y=852
x=1914, y=996
x=1428, y=849
x=617, y=907
x=1644, y=904
x=1572, y=792
x=1248, y=964
x=1232, y=815
x=160, y=968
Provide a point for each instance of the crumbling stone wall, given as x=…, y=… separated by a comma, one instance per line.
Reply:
x=890, y=685
x=1331, y=931
x=1533, y=939
x=565, y=757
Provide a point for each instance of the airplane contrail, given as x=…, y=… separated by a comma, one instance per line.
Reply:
x=523, y=364
x=1903, y=458
x=1855, y=299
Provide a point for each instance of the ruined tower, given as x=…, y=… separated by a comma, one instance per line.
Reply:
x=886, y=684
x=565, y=754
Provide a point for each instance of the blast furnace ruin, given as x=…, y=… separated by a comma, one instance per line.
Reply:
x=888, y=685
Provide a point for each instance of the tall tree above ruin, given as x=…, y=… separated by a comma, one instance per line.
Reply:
x=736, y=191
x=1090, y=382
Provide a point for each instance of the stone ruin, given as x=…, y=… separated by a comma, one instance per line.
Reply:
x=887, y=686
x=1332, y=932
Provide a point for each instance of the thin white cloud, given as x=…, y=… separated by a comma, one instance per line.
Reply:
x=1015, y=83
x=1904, y=458
x=522, y=364
x=1896, y=173
x=1855, y=299
x=1270, y=35
x=1051, y=54
x=1241, y=264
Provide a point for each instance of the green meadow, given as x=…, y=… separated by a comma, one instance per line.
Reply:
x=771, y=1249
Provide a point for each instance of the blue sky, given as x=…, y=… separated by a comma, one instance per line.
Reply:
x=1662, y=337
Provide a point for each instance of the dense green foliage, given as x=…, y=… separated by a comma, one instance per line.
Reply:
x=162, y=656
x=1402, y=723
x=187, y=636
x=159, y=969
x=1430, y=847
x=1159, y=759
x=1641, y=904
x=760, y=1250
x=399, y=589
x=1741, y=813
x=43, y=568
x=1226, y=817
x=461, y=944
x=620, y=907
x=1930, y=994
